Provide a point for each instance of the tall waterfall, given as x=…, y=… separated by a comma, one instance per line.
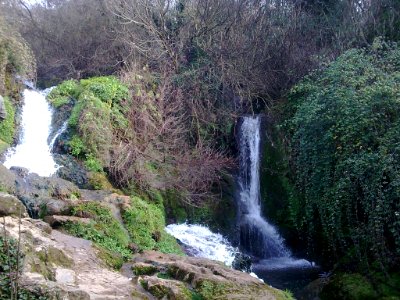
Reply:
x=34, y=152
x=257, y=236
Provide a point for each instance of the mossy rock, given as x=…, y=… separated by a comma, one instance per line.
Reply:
x=55, y=256
x=99, y=181
x=349, y=287
x=144, y=269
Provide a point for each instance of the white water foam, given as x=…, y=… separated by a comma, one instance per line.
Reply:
x=33, y=152
x=202, y=242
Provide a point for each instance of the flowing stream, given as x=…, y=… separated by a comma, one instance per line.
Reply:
x=33, y=151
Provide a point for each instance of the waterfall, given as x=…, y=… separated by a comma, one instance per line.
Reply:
x=257, y=236
x=33, y=152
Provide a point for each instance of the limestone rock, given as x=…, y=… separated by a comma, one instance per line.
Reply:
x=210, y=279
x=11, y=206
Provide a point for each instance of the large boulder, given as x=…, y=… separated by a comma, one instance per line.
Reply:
x=11, y=206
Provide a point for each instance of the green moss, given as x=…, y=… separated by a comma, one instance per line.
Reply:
x=349, y=287
x=212, y=290
x=112, y=259
x=109, y=89
x=144, y=269
x=7, y=126
x=145, y=223
x=99, y=181
x=55, y=256
x=104, y=230
x=77, y=147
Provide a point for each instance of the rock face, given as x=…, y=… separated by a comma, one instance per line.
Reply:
x=183, y=276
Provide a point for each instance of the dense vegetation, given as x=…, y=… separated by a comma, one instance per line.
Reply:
x=171, y=79
x=345, y=152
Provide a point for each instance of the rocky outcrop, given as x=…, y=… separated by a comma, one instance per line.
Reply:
x=60, y=266
x=182, y=277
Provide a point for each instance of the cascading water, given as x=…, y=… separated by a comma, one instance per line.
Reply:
x=33, y=152
x=202, y=242
x=257, y=236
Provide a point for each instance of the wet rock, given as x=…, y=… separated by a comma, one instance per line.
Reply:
x=72, y=170
x=11, y=206
x=20, y=171
x=242, y=262
x=44, y=195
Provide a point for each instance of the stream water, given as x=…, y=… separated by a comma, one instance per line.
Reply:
x=33, y=151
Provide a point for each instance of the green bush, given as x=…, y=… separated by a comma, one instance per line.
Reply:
x=7, y=126
x=345, y=146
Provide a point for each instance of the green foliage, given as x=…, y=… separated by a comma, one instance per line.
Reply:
x=108, y=89
x=346, y=153
x=145, y=223
x=93, y=164
x=77, y=146
x=63, y=93
x=7, y=126
x=104, y=230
